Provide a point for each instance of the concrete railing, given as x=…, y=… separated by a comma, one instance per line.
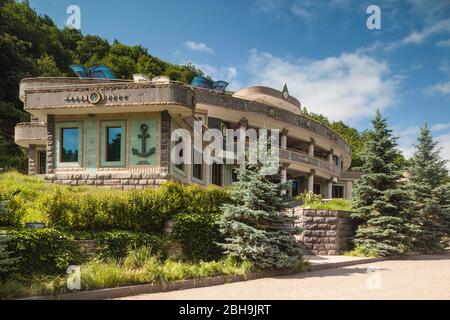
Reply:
x=27, y=133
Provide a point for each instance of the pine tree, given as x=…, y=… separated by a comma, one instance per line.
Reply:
x=427, y=175
x=380, y=201
x=256, y=225
x=6, y=262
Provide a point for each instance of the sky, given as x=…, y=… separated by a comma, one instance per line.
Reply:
x=323, y=50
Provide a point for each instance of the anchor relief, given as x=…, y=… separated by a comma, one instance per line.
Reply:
x=144, y=136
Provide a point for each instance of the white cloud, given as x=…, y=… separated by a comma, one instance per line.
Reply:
x=198, y=46
x=419, y=37
x=348, y=87
x=440, y=127
x=408, y=138
x=443, y=43
x=440, y=88
x=444, y=142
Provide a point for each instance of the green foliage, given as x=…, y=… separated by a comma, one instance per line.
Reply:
x=196, y=228
x=380, y=202
x=256, y=225
x=427, y=175
x=45, y=251
x=139, y=267
x=6, y=261
x=117, y=244
x=308, y=198
x=333, y=205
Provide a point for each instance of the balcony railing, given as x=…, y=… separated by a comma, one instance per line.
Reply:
x=304, y=158
x=27, y=133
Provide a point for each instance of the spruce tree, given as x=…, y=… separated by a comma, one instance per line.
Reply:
x=256, y=225
x=6, y=262
x=427, y=174
x=380, y=201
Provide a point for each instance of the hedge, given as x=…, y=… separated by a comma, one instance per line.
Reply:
x=117, y=244
x=137, y=210
x=45, y=251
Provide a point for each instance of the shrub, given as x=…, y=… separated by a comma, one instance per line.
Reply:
x=196, y=229
x=6, y=262
x=309, y=198
x=45, y=251
x=117, y=244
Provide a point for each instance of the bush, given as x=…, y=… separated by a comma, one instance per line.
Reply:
x=309, y=198
x=196, y=229
x=118, y=244
x=45, y=251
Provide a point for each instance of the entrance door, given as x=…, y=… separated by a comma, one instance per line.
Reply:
x=42, y=162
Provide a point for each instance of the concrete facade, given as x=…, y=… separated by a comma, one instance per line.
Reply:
x=312, y=156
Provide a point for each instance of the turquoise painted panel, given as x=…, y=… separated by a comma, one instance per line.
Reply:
x=91, y=145
x=143, y=138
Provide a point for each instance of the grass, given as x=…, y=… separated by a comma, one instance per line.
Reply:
x=29, y=190
x=335, y=205
x=139, y=267
x=357, y=252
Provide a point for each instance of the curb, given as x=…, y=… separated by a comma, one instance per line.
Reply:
x=112, y=293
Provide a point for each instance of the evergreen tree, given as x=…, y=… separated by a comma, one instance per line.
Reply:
x=6, y=262
x=380, y=201
x=427, y=176
x=256, y=225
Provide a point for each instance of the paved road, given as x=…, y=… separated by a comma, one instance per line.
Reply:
x=419, y=277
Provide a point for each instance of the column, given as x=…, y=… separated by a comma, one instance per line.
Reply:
x=50, y=143
x=32, y=162
x=348, y=189
x=283, y=179
x=311, y=146
x=311, y=181
x=330, y=189
x=284, y=134
x=243, y=125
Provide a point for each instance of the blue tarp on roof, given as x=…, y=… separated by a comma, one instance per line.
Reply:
x=96, y=72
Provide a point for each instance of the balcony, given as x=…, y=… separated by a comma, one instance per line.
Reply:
x=29, y=133
x=292, y=156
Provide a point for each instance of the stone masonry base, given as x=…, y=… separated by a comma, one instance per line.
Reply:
x=325, y=232
x=124, y=181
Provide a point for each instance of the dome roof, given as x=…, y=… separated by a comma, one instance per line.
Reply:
x=270, y=97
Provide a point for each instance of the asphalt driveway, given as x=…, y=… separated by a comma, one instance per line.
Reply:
x=417, y=277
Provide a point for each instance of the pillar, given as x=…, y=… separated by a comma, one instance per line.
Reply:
x=32, y=161
x=330, y=189
x=348, y=189
x=311, y=146
x=243, y=125
x=50, y=144
x=283, y=178
x=311, y=181
x=284, y=133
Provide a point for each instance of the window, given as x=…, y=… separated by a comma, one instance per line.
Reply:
x=216, y=177
x=42, y=161
x=338, y=192
x=69, y=145
x=197, y=169
x=113, y=144
x=181, y=155
x=317, y=189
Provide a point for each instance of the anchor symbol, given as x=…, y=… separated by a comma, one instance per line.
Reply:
x=144, y=136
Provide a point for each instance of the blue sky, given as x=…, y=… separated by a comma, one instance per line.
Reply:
x=323, y=50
